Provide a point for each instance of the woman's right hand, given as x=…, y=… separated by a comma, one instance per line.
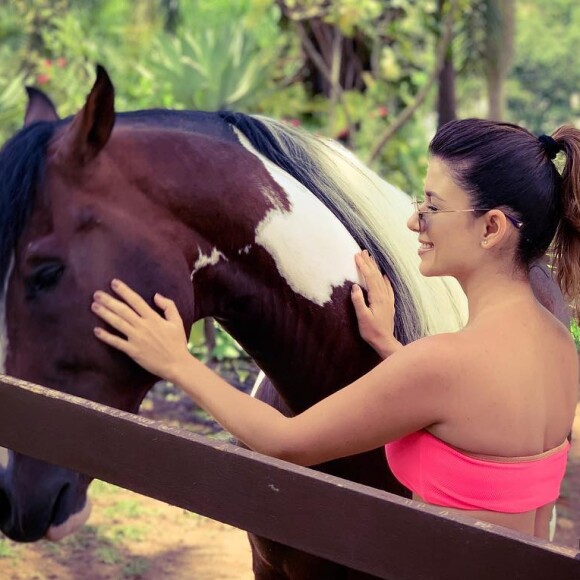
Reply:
x=376, y=321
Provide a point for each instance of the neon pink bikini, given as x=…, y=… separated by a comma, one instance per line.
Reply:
x=442, y=475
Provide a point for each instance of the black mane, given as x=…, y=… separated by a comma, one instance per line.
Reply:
x=21, y=166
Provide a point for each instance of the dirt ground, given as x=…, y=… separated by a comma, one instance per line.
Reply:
x=131, y=536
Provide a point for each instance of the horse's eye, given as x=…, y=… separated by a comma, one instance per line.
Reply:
x=45, y=277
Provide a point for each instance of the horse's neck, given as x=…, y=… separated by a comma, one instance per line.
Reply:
x=306, y=350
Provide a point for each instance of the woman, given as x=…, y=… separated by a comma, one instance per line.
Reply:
x=475, y=420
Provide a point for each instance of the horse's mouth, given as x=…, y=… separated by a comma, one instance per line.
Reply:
x=75, y=521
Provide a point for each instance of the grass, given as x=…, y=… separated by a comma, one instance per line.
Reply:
x=109, y=555
x=125, y=508
x=6, y=551
x=135, y=568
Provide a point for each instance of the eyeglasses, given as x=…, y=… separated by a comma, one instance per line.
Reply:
x=421, y=213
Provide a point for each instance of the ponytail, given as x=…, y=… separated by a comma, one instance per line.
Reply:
x=566, y=244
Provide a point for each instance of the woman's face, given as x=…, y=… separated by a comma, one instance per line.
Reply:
x=450, y=241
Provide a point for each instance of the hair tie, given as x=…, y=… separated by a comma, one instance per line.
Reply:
x=550, y=145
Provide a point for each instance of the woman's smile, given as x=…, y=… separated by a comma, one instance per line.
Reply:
x=424, y=247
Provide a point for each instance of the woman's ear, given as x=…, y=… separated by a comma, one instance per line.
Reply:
x=494, y=229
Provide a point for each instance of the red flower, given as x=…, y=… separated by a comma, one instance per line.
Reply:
x=382, y=111
x=42, y=79
x=61, y=62
x=294, y=122
x=48, y=62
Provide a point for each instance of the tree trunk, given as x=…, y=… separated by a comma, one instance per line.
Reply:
x=495, y=95
x=171, y=9
x=210, y=340
x=500, y=30
x=446, y=104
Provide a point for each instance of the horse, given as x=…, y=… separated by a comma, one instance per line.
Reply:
x=233, y=216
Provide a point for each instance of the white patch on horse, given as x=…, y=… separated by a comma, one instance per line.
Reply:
x=313, y=251
x=245, y=249
x=3, y=330
x=203, y=261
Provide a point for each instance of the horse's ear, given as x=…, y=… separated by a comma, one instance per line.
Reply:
x=39, y=108
x=91, y=127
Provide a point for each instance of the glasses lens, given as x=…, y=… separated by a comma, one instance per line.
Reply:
x=417, y=210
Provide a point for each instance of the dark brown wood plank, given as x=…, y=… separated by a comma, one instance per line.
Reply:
x=355, y=525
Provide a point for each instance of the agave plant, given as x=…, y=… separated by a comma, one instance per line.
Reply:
x=218, y=68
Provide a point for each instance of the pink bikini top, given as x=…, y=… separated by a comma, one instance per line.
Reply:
x=442, y=475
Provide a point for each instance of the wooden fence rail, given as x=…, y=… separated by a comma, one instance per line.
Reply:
x=358, y=526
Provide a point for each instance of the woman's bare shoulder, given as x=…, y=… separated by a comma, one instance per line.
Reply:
x=442, y=354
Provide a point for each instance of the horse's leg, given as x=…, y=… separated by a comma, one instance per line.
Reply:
x=274, y=561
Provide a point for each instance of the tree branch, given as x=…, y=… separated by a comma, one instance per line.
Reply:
x=319, y=63
x=411, y=108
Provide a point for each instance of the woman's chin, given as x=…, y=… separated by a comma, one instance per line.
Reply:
x=425, y=268
x=429, y=270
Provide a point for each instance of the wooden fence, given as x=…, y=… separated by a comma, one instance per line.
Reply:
x=355, y=525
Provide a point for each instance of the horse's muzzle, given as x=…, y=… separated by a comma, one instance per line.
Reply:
x=39, y=500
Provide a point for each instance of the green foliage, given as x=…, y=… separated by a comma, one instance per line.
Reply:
x=575, y=331
x=227, y=356
x=225, y=346
x=347, y=15
x=220, y=68
x=543, y=90
x=218, y=58
x=242, y=54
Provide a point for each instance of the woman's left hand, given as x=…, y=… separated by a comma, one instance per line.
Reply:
x=376, y=321
x=158, y=344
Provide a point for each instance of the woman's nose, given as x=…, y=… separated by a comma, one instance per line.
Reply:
x=414, y=223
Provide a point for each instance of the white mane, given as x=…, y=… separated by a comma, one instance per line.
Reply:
x=381, y=210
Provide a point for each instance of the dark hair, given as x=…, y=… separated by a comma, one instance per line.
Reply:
x=505, y=166
x=21, y=167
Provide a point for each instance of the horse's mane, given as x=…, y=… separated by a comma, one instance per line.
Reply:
x=21, y=166
x=373, y=212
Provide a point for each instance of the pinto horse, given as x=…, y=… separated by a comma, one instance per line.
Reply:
x=233, y=216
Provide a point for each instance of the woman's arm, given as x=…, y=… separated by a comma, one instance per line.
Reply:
x=401, y=395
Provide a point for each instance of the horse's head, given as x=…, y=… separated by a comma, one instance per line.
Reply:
x=70, y=222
